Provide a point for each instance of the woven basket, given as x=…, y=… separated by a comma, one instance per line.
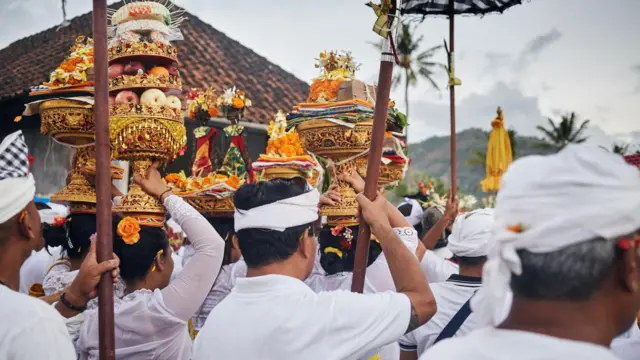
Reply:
x=325, y=138
x=69, y=122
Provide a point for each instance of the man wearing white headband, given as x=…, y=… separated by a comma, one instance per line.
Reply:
x=469, y=242
x=273, y=314
x=566, y=232
x=29, y=328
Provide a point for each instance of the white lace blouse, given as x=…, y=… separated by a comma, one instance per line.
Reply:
x=152, y=324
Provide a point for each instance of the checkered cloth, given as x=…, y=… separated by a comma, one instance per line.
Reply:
x=461, y=7
x=14, y=157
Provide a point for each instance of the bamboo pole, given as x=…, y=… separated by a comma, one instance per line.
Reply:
x=373, y=162
x=452, y=99
x=104, y=248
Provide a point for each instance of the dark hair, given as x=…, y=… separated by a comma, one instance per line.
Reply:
x=262, y=247
x=430, y=218
x=137, y=259
x=224, y=228
x=333, y=263
x=469, y=260
x=74, y=236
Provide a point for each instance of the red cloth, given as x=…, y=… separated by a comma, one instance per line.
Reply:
x=395, y=158
x=239, y=142
x=202, y=164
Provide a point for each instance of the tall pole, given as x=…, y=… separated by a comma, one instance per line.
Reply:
x=104, y=248
x=452, y=97
x=374, y=158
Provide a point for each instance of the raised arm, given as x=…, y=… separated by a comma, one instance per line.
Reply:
x=187, y=291
x=405, y=270
x=434, y=234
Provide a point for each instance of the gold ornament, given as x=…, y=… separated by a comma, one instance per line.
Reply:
x=69, y=122
x=325, y=138
x=144, y=81
x=146, y=209
x=143, y=49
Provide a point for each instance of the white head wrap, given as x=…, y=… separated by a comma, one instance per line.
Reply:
x=470, y=233
x=546, y=203
x=415, y=217
x=17, y=185
x=280, y=215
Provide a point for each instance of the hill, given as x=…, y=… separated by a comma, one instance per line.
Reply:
x=432, y=157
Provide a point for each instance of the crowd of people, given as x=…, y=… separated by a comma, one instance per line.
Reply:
x=553, y=271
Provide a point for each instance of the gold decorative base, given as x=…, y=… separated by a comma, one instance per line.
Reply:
x=151, y=50
x=70, y=122
x=79, y=189
x=143, y=138
x=349, y=206
x=211, y=206
x=342, y=220
x=325, y=138
x=144, y=81
x=146, y=209
x=138, y=110
x=389, y=174
x=117, y=173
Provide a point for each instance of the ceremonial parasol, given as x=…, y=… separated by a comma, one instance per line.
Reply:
x=499, y=155
x=450, y=8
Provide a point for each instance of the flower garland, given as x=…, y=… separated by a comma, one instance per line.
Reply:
x=233, y=99
x=73, y=70
x=202, y=104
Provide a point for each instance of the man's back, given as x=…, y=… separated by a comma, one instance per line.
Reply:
x=499, y=344
x=279, y=317
x=31, y=329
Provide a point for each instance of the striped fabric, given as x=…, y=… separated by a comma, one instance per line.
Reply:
x=461, y=7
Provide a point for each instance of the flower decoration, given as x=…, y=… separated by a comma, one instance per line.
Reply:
x=343, y=231
x=335, y=68
x=517, y=228
x=233, y=101
x=129, y=230
x=59, y=221
x=202, y=104
x=233, y=181
x=345, y=244
x=74, y=69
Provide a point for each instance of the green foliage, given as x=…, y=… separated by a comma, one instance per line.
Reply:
x=567, y=131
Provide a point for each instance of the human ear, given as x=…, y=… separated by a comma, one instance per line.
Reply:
x=306, y=245
x=630, y=259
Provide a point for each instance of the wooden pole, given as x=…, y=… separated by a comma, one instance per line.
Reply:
x=104, y=248
x=373, y=164
x=452, y=99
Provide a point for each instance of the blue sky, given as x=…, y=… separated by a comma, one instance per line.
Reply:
x=537, y=60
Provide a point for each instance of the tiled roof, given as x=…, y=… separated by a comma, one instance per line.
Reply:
x=207, y=58
x=633, y=159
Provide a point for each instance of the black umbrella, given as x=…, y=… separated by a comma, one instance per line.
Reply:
x=450, y=8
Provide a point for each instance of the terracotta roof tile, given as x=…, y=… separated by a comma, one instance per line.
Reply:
x=207, y=58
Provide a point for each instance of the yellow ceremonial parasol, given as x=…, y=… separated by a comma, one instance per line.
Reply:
x=499, y=155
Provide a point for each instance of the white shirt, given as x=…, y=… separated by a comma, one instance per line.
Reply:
x=436, y=268
x=279, y=317
x=450, y=296
x=31, y=329
x=32, y=270
x=627, y=345
x=378, y=279
x=499, y=344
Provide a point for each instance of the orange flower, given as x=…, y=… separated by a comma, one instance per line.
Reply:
x=240, y=93
x=59, y=221
x=233, y=181
x=237, y=103
x=129, y=230
x=213, y=111
x=515, y=228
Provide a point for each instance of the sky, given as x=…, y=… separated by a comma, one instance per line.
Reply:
x=541, y=59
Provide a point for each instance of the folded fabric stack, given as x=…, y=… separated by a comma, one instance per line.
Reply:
x=285, y=157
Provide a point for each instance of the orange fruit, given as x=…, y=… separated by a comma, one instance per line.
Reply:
x=159, y=71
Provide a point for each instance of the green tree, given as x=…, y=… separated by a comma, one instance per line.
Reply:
x=415, y=64
x=568, y=130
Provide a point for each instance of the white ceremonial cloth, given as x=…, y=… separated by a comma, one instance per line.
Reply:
x=280, y=215
x=498, y=344
x=450, y=296
x=279, y=317
x=556, y=201
x=31, y=329
x=470, y=233
x=627, y=345
x=415, y=217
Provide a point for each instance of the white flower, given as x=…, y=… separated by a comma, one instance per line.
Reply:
x=228, y=95
x=247, y=103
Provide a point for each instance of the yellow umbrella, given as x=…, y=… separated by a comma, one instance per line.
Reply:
x=499, y=155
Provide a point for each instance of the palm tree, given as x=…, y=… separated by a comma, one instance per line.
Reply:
x=566, y=132
x=414, y=64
